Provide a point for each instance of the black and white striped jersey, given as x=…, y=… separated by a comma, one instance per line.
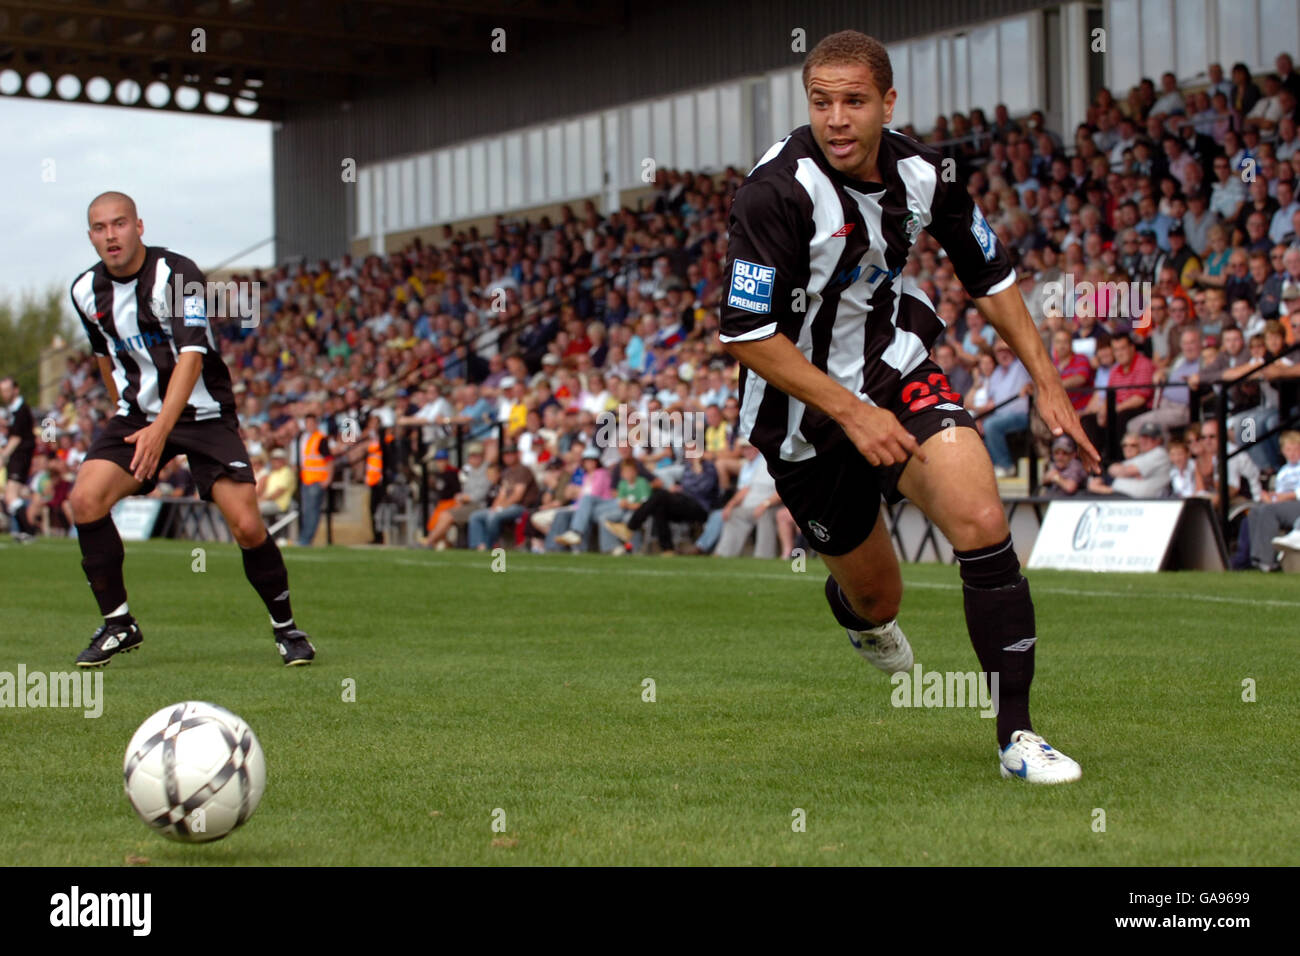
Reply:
x=817, y=256
x=143, y=322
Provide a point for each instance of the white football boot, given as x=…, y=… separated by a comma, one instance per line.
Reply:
x=1032, y=759
x=885, y=647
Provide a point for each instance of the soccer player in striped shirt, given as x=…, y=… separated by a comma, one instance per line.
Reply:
x=838, y=391
x=144, y=309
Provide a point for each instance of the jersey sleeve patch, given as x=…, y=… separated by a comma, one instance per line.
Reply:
x=979, y=228
x=196, y=313
x=751, y=287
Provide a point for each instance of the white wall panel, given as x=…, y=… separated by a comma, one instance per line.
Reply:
x=1019, y=82
x=1157, y=50
x=1190, y=35
x=593, y=171
x=708, y=144
x=477, y=178
x=640, y=142
x=535, y=163
x=1280, y=30
x=925, y=91
x=1238, y=25
x=779, y=85
x=661, y=132
x=424, y=190
x=554, y=163
x=900, y=56
x=984, y=71
x=731, y=129
x=445, y=208
x=572, y=158
x=362, y=198
x=516, y=174
x=496, y=174
x=961, y=100
x=392, y=196
x=460, y=186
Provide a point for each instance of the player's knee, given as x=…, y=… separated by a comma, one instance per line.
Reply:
x=979, y=527
x=86, y=505
x=248, y=530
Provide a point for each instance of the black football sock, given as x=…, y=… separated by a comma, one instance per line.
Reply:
x=102, y=555
x=841, y=608
x=19, y=515
x=264, y=567
x=1000, y=619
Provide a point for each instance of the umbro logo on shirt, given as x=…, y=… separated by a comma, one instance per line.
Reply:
x=844, y=230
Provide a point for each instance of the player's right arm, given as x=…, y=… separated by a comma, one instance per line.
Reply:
x=766, y=247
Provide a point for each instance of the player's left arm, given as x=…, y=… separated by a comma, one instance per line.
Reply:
x=149, y=441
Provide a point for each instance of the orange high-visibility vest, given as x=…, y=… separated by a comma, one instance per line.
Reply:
x=374, y=463
x=315, y=469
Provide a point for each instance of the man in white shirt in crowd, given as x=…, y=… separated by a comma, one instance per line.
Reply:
x=1146, y=474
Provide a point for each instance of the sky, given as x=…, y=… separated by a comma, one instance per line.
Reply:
x=202, y=185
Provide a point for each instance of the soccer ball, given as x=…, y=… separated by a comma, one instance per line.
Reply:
x=194, y=772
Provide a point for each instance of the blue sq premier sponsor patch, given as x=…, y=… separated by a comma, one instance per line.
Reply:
x=196, y=313
x=751, y=286
x=979, y=228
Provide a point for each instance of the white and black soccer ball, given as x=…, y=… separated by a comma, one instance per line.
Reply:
x=194, y=772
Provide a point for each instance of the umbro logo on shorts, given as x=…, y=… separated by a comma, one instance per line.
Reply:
x=239, y=464
x=1024, y=645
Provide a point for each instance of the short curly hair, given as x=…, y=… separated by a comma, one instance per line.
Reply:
x=850, y=46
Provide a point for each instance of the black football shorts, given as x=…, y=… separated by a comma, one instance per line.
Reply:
x=213, y=449
x=835, y=496
x=19, y=468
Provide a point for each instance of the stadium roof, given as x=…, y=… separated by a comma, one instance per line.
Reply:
x=255, y=56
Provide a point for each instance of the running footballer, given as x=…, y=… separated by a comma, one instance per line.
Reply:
x=161, y=365
x=837, y=388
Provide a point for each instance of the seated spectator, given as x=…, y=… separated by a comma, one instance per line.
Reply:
x=1074, y=368
x=1009, y=383
x=596, y=490
x=517, y=493
x=1066, y=476
x=1131, y=376
x=276, y=486
x=1244, y=484
x=554, y=483
x=1144, y=474
x=691, y=499
x=752, y=510
x=1182, y=470
x=1280, y=508
x=476, y=483
x=633, y=491
x=1173, y=407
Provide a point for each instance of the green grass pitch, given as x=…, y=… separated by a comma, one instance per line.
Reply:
x=522, y=692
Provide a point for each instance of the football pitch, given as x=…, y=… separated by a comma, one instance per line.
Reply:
x=638, y=710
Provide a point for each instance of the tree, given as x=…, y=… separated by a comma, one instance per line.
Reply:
x=27, y=327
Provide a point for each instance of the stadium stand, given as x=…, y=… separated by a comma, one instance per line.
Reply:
x=1159, y=250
